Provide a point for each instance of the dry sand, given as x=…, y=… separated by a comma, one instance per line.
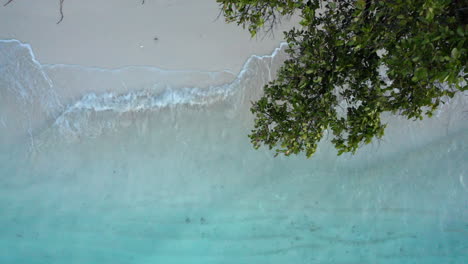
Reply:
x=116, y=33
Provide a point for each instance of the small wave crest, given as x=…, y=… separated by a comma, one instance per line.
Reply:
x=27, y=93
x=75, y=120
x=86, y=93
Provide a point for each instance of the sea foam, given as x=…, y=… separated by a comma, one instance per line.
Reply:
x=68, y=93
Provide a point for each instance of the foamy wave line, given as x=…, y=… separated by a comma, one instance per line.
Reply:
x=145, y=100
x=28, y=91
x=82, y=117
x=31, y=53
x=79, y=117
x=149, y=100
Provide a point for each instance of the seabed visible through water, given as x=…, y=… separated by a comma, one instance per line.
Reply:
x=142, y=165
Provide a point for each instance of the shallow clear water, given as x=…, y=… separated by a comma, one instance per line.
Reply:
x=149, y=166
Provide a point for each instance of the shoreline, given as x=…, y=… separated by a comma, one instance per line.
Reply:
x=126, y=89
x=182, y=78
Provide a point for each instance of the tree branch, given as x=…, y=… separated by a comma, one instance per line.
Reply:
x=9, y=1
x=61, y=11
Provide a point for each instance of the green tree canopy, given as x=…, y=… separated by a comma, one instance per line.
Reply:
x=331, y=80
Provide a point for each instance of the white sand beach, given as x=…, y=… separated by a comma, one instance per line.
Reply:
x=116, y=33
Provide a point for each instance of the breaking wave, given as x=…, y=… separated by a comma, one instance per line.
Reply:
x=69, y=94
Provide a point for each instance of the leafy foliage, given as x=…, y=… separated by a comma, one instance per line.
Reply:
x=331, y=81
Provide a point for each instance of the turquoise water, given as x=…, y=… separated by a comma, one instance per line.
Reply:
x=142, y=165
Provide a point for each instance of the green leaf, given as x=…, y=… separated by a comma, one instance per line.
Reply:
x=421, y=73
x=455, y=53
x=361, y=4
